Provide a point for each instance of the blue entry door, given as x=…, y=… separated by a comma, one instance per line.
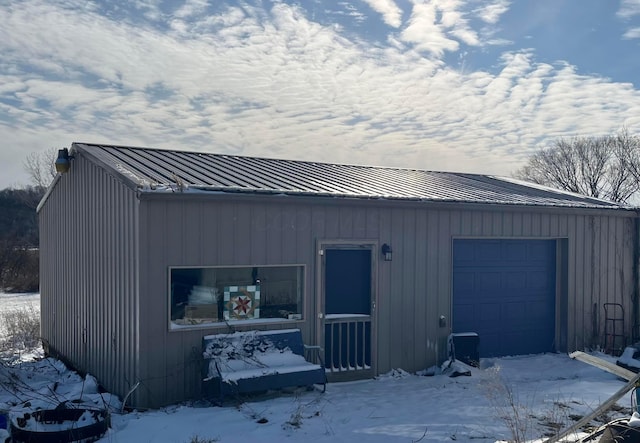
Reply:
x=347, y=317
x=505, y=290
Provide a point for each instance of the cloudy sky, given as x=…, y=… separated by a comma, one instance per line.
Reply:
x=456, y=85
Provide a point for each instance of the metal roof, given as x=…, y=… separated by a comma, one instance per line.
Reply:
x=157, y=170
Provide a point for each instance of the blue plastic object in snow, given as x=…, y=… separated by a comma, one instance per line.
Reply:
x=3, y=420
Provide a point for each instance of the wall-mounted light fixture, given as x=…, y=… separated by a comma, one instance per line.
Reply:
x=387, y=252
x=63, y=161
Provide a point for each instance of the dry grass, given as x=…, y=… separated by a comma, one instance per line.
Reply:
x=19, y=329
x=522, y=420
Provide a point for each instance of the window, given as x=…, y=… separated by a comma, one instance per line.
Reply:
x=210, y=295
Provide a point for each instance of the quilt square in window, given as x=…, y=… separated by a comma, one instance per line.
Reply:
x=241, y=302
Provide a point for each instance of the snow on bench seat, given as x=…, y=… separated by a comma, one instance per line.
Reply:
x=253, y=361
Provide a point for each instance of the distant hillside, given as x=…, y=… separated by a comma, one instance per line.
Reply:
x=18, y=221
x=19, y=239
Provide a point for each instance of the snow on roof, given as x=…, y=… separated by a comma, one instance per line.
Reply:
x=160, y=170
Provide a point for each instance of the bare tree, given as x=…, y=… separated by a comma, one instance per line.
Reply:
x=605, y=167
x=41, y=167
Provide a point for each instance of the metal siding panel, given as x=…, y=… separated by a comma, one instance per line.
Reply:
x=432, y=285
x=562, y=275
x=192, y=233
x=241, y=234
x=397, y=294
x=578, y=295
x=385, y=299
x=507, y=223
x=332, y=222
x=408, y=293
x=536, y=224
x=305, y=253
x=465, y=223
x=588, y=294
x=476, y=223
x=77, y=212
x=275, y=236
x=346, y=222
x=457, y=221
x=629, y=284
x=169, y=356
x=154, y=301
x=132, y=323
x=611, y=269
x=359, y=217
x=527, y=224
x=210, y=222
x=604, y=246
x=259, y=233
x=146, y=214
x=497, y=223
x=444, y=277
x=595, y=280
x=318, y=215
x=225, y=233
x=424, y=320
x=616, y=268
x=372, y=222
x=570, y=282
x=554, y=225
x=545, y=230
x=518, y=224
x=289, y=238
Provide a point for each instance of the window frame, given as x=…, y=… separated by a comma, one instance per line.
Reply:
x=173, y=327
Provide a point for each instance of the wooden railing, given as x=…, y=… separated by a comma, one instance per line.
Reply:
x=347, y=343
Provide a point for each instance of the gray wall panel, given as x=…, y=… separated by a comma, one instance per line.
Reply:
x=384, y=314
x=419, y=275
x=580, y=291
x=88, y=227
x=396, y=296
x=433, y=296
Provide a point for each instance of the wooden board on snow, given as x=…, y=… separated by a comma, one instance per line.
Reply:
x=603, y=364
x=602, y=408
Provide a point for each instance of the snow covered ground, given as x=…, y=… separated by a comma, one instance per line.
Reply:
x=535, y=392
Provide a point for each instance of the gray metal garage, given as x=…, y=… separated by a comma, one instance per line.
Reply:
x=143, y=252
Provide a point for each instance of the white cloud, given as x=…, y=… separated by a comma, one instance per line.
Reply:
x=191, y=8
x=629, y=8
x=391, y=13
x=150, y=8
x=438, y=26
x=491, y=13
x=274, y=83
x=425, y=33
x=632, y=33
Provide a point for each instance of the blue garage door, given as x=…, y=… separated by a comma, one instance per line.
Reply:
x=505, y=291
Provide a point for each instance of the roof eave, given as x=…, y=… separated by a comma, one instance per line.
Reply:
x=204, y=190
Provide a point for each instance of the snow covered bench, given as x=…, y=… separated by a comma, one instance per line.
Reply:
x=254, y=361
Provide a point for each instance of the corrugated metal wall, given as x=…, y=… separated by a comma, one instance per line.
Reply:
x=413, y=290
x=88, y=274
